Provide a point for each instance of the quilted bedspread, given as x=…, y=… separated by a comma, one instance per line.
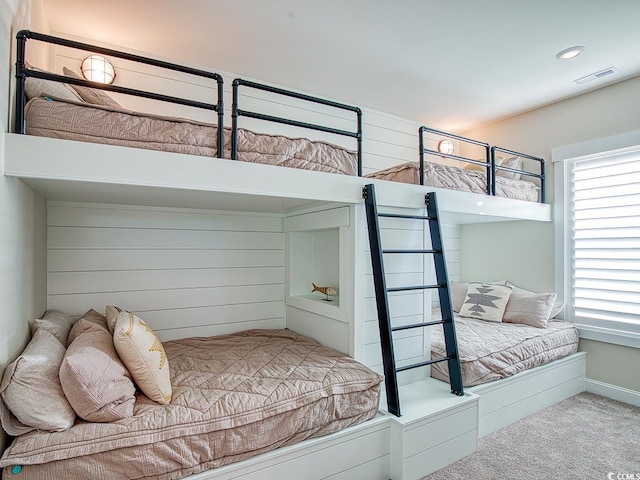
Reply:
x=114, y=126
x=454, y=178
x=492, y=350
x=234, y=396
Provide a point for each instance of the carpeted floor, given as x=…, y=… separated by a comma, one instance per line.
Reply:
x=584, y=437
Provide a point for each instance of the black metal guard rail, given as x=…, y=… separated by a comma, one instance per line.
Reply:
x=495, y=167
x=237, y=112
x=22, y=72
x=491, y=164
x=486, y=164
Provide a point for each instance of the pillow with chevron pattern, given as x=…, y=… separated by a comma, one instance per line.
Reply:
x=142, y=353
x=485, y=302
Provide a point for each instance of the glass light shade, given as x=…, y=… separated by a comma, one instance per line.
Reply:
x=445, y=146
x=96, y=68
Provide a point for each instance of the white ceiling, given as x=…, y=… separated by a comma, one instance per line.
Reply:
x=452, y=64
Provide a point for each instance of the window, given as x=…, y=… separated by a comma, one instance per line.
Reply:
x=600, y=239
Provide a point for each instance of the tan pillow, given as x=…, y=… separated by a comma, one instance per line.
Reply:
x=529, y=308
x=91, y=95
x=37, y=87
x=92, y=318
x=31, y=387
x=485, y=301
x=142, y=353
x=56, y=323
x=112, y=313
x=94, y=380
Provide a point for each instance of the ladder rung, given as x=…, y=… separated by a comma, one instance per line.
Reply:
x=418, y=325
x=411, y=251
x=423, y=364
x=415, y=287
x=397, y=215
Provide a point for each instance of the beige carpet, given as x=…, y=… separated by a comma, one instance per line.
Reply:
x=584, y=437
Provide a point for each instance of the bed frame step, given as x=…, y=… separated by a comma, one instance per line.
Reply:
x=382, y=300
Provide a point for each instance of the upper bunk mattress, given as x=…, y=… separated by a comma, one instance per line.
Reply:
x=234, y=396
x=116, y=126
x=454, y=178
x=492, y=350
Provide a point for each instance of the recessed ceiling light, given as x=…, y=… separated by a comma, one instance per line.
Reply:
x=570, y=52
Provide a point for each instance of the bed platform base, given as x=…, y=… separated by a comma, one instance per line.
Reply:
x=506, y=401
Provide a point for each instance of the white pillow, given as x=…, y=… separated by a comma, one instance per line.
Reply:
x=31, y=387
x=142, y=353
x=485, y=301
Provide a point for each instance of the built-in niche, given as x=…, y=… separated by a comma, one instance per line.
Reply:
x=317, y=245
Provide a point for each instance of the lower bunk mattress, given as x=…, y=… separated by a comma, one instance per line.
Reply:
x=234, y=396
x=493, y=350
x=454, y=178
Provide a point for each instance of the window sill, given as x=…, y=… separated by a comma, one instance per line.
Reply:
x=608, y=335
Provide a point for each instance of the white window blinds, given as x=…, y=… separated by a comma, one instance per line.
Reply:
x=605, y=259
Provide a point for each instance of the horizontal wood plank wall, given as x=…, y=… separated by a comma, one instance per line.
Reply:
x=185, y=272
x=387, y=140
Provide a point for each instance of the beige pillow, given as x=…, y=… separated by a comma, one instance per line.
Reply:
x=31, y=387
x=91, y=95
x=112, y=313
x=94, y=380
x=37, y=87
x=142, y=353
x=485, y=301
x=474, y=167
x=512, y=162
x=458, y=293
x=555, y=309
x=56, y=323
x=529, y=308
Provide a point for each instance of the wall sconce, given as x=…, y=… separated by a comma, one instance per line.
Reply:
x=96, y=68
x=445, y=146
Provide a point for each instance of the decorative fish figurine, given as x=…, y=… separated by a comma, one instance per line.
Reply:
x=326, y=290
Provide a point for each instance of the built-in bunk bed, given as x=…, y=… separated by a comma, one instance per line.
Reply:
x=166, y=173
x=492, y=171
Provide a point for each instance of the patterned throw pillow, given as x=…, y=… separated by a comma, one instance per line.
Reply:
x=485, y=302
x=142, y=353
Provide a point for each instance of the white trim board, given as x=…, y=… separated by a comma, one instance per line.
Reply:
x=614, y=392
x=506, y=401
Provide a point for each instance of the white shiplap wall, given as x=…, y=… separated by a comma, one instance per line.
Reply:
x=186, y=272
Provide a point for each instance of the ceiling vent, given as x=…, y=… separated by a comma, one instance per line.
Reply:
x=595, y=76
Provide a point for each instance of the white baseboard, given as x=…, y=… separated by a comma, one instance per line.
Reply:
x=614, y=392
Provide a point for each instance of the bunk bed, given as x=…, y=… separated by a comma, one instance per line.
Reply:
x=498, y=172
x=51, y=110
x=232, y=397
x=163, y=173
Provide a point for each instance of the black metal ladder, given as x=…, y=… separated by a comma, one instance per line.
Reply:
x=382, y=301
